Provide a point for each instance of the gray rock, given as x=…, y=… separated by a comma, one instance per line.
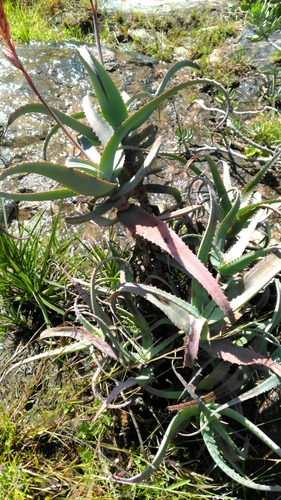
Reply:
x=159, y=7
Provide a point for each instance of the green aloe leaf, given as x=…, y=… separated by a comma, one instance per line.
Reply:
x=199, y=295
x=126, y=188
x=83, y=165
x=219, y=185
x=86, y=129
x=215, y=452
x=58, y=194
x=255, y=280
x=99, y=125
x=110, y=100
x=251, y=185
x=245, y=213
x=69, y=121
x=172, y=71
x=158, y=188
x=139, y=118
x=99, y=209
x=238, y=265
x=228, y=220
x=73, y=179
x=173, y=428
x=177, y=310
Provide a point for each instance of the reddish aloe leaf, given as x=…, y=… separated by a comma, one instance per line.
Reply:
x=191, y=341
x=80, y=333
x=149, y=227
x=238, y=355
x=85, y=296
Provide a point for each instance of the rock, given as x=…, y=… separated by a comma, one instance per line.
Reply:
x=141, y=34
x=158, y=7
x=181, y=53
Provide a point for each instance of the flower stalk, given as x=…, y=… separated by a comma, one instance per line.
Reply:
x=11, y=54
x=96, y=29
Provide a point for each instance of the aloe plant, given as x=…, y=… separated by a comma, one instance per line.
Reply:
x=117, y=175
x=223, y=269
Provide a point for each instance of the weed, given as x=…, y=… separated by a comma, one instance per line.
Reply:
x=32, y=281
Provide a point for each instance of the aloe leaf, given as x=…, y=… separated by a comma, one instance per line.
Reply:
x=243, y=239
x=58, y=194
x=74, y=347
x=143, y=224
x=249, y=188
x=177, y=310
x=255, y=206
x=139, y=117
x=207, y=240
x=196, y=330
x=172, y=71
x=90, y=150
x=79, y=333
x=265, y=386
x=141, y=173
x=99, y=209
x=219, y=185
x=83, y=165
x=141, y=95
x=73, y=179
x=99, y=125
x=245, y=213
x=158, y=188
x=176, y=423
x=163, y=393
x=140, y=380
x=199, y=295
x=255, y=280
x=235, y=354
x=101, y=221
x=215, y=453
x=182, y=160
x=70, y=121
x=254, y=429
x=110, y=100
x=230, y=268
x=56, y=128
x=271, y=324
x=228, y=220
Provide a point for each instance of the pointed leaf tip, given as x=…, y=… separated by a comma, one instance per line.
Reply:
x=149, y=227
